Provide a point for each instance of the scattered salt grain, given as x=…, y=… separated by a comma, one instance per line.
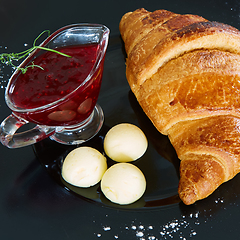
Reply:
x=139, y=234
x=151, y=237
x=141, y=227
x=219, y=200
x=194, y=233
x=106, y=228
x=134, y=227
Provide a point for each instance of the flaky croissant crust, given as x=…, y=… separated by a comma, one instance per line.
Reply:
x=184, y=71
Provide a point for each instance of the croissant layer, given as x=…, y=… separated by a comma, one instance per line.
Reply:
x=209, y=152
x=195, y=85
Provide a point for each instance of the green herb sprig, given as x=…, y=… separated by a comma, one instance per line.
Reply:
x=9, y=58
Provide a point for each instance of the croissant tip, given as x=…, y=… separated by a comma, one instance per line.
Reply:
x=188, y=199
x=187, y=193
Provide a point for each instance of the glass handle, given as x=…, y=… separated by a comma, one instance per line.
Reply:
x=11, y=139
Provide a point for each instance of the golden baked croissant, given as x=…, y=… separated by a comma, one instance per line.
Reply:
x=184, y=71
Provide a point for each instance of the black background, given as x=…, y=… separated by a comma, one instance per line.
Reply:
x=32, y=203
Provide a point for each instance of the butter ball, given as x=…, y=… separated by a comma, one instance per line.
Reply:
x=125, y=143
x=84, y=167
x=123, y=183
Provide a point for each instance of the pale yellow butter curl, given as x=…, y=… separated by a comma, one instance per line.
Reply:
x=123, y=183
x=84, y=167
x=125, y=143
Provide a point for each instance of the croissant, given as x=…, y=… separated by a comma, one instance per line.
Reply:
x=184, y=71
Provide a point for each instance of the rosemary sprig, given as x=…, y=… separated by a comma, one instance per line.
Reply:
x=9, y=58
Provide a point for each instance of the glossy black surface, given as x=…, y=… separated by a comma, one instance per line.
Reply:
x=36, y=204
